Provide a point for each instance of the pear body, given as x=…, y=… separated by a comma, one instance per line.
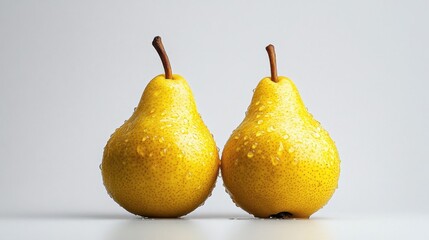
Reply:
x=280, y=159
x=163, y=161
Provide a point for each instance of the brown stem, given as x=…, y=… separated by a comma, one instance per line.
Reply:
x=273, y=64
x=157, y=44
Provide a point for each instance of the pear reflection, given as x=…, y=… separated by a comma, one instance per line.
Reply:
x=281, y=229
x=155, y=229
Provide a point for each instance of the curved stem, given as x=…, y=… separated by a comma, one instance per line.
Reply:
x=273, y=64
x=157, y=44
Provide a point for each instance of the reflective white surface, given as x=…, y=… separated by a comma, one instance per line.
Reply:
x=214, y=227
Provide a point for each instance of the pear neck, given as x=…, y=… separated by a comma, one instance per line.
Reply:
x=162, y=98
x=276, y=99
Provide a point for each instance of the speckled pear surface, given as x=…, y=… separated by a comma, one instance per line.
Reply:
x=163, y=161
x=280, y=159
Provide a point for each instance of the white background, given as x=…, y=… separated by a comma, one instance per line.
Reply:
x=71, y=72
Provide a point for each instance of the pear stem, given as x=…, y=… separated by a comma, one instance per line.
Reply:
x=273, y=65
x=157, y=44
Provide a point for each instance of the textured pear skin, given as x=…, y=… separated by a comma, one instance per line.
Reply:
x=163, y=161
x=280, y=159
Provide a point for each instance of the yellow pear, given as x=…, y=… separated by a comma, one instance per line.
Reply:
x=279, y=162
x=163, y=161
